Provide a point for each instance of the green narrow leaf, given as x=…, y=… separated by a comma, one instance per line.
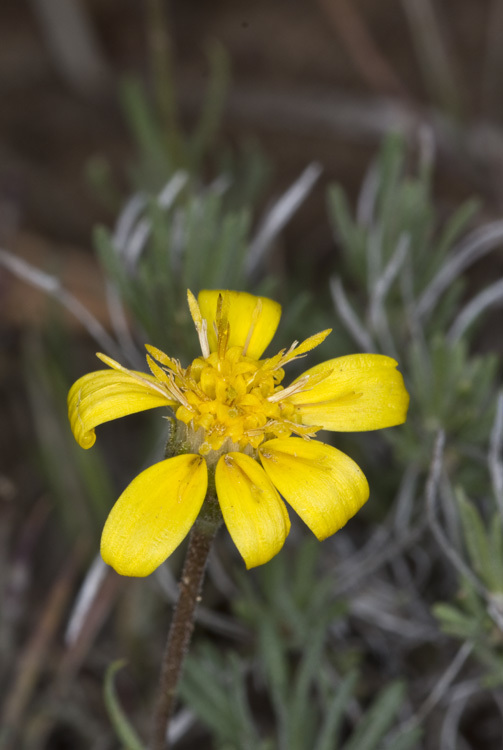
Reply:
x=120, y=723
x=472, y=601
x=274, y=662
x=340, y=214
x=101, y=179
x=249, y=170
x=452, y=620
x=455, y=226
x=239, y=705
x=300, y=705
x=202, y=690
x=327, y=738
x=475, y=537
x=390, y=162
x=161, y=58
x=224, y=266
x=496, y=554
x=202, y=219
x=211, y=114
x=306, y=560
x=159, y=259
x=114, y=270
x=273, y=657
x=143, y=124
x=106, y=253
x=407, y=740
x=377, y=720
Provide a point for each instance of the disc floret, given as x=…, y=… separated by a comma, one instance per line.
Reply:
x=227, y=399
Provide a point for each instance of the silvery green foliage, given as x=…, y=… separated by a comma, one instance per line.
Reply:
x=186, y=237
x=404, y=293
x=320, y=618
x=290, y=612
x=406, y=273
x=380, y=637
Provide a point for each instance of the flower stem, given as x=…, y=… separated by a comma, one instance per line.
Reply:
x=182, y=624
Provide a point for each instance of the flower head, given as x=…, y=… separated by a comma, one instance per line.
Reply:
x=237, y=427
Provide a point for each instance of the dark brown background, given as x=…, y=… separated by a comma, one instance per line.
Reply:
x=312, y=80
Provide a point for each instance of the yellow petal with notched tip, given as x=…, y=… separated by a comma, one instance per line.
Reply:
x=253, y=511
x=154, y=514
x=253, y=320
x=109, y=394
x=359, y=392
x=323, y=485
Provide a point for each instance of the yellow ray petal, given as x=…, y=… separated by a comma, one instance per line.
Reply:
x=253, y=320
x=359, y=392
x=154, y=514
x=324, y=486
x=253, y=511
x=109, y=394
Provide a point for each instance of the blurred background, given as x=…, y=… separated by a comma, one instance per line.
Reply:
x=338, y=155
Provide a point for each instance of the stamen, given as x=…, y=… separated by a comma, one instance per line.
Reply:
x=200, y=324
x=286, y=392
x=162, y=358
x=177, y=393
x=305, y=431
x=157, y=371
x=255, y=317
x=299, y=350
x=132, y=373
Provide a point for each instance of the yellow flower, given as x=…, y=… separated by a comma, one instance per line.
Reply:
x=238, y=428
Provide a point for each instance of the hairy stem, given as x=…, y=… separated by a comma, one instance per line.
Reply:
x=182, y=624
